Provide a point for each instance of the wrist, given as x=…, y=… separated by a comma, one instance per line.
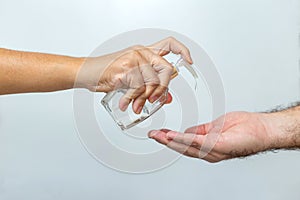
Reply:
x=74, y=64
x=88, y=71
x=283, y=128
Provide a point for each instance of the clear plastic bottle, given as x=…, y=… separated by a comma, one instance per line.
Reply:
x=127, y=119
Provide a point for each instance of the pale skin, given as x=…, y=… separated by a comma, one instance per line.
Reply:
x=140, y=69
x=239, y=134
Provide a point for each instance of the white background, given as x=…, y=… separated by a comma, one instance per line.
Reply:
x=254, y=44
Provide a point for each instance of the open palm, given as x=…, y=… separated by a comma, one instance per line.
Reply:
x=236, y=134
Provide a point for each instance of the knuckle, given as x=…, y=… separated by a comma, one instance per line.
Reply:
x=154, y=81
x=170, y=68
x=141, y=89
x=164, y=65
x=143, y=97
x=194, y=143
x=186, y=141
x=140, y=100
x=171, y=38
x=126, y=97
x=135, y=53
x=126, y=62
x=137, y=47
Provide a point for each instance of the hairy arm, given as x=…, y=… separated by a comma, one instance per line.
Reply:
x=236, y=134
x=284, y=125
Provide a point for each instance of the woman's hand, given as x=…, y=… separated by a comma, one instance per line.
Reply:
x=140, y=69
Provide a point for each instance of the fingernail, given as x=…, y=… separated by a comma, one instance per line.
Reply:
x=151, y=134
x=152, y=99
x=123, y=107
x=139, y=109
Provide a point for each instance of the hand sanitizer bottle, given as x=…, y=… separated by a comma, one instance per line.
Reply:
x=127, y=119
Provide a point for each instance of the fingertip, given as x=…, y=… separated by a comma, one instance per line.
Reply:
x=187, y=56
x=169, y=98
x=138, y=110
x=151, y=134
x=159, y=136
x=123, y=106
x=138, y=105
x=157, y=93
x=124, y=103
x=189, y=60
x=152, y=99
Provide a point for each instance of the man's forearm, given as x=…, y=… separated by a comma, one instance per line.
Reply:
x=284, y=126
x=36, y=72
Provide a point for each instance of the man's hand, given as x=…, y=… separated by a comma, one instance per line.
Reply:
x=236, y=134
x=140, y=69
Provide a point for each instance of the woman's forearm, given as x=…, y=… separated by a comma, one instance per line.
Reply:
x=36, y=72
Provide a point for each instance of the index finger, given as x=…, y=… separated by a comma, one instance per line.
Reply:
x=170, y=44
x=189, y=139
